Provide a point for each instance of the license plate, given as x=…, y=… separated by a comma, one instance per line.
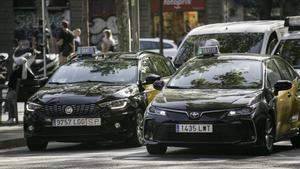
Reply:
x=194, y=128
x=69, y=122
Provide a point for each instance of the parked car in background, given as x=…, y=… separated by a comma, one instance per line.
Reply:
x=227, y=99
x=152, y=44
x=234, y=37
x=95, y=99
x=289, y=45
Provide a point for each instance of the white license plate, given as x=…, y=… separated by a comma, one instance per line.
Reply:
x=67, y=122
x=194, y=128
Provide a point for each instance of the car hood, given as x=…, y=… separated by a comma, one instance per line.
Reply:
x=82, y=93
x=198, y=99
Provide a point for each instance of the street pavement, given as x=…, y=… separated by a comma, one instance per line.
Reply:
x=72, y=155
x=11, y=135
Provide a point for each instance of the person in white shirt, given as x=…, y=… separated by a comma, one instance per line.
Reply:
x=108, y=42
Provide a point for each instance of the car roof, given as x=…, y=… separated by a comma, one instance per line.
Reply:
x=117, y=55
x=235, y=27
x=157, y=40
x=291, y=35
x=241, y=56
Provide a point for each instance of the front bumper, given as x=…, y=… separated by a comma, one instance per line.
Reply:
x=107, y=132
x=232, y=131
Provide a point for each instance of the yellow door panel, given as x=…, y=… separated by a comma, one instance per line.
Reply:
x=284, y=112
x=150, y=92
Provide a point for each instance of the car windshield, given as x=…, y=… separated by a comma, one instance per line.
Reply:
x=229, y=43
x=105, y=71
x=290, y=51
x=219, y=74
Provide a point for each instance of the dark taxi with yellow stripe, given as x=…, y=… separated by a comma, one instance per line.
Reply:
x=98, y=100
x=233, y=99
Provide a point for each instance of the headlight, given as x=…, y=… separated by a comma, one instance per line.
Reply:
x=116, y=104
x=30, y=106
x=153, y=110
x=242, y=111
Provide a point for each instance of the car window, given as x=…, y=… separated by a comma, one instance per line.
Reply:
x=229, y=43
x=218, y=74
x=272, y=42
x=109, y=70
x=273, y=74
x=290, y=51
x=284, y=70
x=161, y=66
x=148, y=45
x=167, y=46
x=147, y=68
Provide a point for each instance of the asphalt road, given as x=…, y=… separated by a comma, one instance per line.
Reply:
x=70, y=155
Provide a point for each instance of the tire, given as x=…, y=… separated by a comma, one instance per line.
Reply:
x=138, y=137
x=267, y=137
x=35, y=144
x=156, y=149
x=296, y=141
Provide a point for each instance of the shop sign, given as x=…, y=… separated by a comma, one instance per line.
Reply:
x=178, y=5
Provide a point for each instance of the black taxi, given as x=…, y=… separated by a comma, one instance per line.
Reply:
x=99, y=99
x=233, y=99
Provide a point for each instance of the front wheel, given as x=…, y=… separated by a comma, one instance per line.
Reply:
x=267, y=145
x=35, y=144
x=156, y=149
x=138, y=139
x=296, y=141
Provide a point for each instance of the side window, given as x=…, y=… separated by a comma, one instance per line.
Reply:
x=273, y=74
x=161, y=66
x=167, y=46
x=146, y=68
x=284, y=70
x=272, y=42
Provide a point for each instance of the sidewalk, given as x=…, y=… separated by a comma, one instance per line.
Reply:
x=11, y=135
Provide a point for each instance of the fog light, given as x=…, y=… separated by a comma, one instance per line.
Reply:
x=117, y=125
x=31, y=128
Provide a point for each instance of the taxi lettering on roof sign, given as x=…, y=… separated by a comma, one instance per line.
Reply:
x=206, y=51
x=87, y=51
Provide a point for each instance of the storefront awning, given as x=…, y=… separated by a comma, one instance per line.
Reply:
x=178, y=5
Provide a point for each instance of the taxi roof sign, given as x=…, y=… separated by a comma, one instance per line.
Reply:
x=293, y=22
x=87, y=51
x=207, y=51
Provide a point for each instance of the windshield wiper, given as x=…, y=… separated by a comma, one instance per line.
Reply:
x=177, y=87
x=91, y=81
x=57, y=83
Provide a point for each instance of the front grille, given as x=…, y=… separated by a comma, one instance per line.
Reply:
x=203, y=116
x=78, y=110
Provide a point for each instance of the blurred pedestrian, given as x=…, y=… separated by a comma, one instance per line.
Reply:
x=77, y=40
x=108, y=42
x=66, y=42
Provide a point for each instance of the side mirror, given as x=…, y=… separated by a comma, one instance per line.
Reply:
x=158, y=85
x=150, y=79
x=282, y=85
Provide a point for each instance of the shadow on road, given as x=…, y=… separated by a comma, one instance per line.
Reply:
x=207, y=152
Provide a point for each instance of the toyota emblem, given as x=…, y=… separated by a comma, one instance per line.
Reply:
x=194, y=115
x=69, y=110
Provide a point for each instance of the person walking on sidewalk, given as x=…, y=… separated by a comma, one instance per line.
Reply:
x=66, y=42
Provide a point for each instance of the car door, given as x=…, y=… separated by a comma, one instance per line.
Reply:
x=147, y=68
x=296, y=99
x=284, y=101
